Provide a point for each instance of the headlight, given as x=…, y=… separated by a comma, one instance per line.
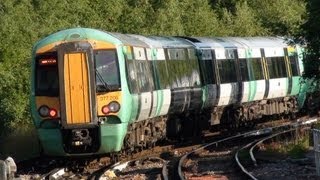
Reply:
x=112, y=107
x=44, y=111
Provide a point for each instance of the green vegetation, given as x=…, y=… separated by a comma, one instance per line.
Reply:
x=311, y=32
x=291, y=148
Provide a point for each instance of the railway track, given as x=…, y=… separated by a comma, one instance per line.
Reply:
x=195, y=163
x=252, y=145
x=250, y=165
x=170, y=157
x=212, y=153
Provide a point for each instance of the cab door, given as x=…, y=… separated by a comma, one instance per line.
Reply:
x=77, y=88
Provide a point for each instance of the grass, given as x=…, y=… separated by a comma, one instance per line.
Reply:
x=292, y=149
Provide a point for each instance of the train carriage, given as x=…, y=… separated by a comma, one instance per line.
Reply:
x=253, y=76
x=96, y=92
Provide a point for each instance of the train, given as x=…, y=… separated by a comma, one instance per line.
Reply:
x=96, y=92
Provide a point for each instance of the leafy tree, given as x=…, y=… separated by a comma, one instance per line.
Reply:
x=241, y=21
x=137, y=17
x=311, y=33
x=276, y=17
x=220, y=5
x=167, y=18
x=16, y=34
x=245, y=22
x=107, y=15
x=198, y=18
x=281, y=17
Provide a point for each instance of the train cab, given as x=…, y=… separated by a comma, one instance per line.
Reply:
x=76, y=89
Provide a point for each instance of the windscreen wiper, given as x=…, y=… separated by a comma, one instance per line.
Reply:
x=104, y=83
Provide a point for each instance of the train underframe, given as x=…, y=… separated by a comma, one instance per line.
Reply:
x=247, y=114
x=144, y=134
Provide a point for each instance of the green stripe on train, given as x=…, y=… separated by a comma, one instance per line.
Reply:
x=252, y=84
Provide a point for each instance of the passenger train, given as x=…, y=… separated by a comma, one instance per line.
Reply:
x=97, y=92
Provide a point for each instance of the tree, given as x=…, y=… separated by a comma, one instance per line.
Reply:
x=137, y=17
x=245, y=22
x=106, y=15
x=281, y=17
x=167, y=18
x=17, y=32
x=198, y=18
x=311, y=33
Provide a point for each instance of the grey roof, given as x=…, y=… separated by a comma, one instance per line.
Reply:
x=252, y=42
x=208, y=42
x=127, y=39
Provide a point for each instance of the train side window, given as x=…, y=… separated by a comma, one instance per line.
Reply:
x=294, y=65
x=132, y=76
x=194, y=66
x=282, y=67
x=227, y=70
x=143, y=75
x=47, y=77
x=256, y=68
x=244, y=69
x=273, y=72
x=178, y=68
x=277, y=67
x=107, y=68
x=174, y=73
x=207, y=67
x=160, y=69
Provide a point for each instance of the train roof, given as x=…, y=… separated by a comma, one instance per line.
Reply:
x=241, y=42
x=151, y=41
x=128, y=39
x=163, y=41
x=168, y=41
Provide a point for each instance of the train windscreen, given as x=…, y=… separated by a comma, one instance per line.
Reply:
x=107, y=70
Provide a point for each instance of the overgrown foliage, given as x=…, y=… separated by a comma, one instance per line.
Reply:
x=23, y=22
x=311, y=34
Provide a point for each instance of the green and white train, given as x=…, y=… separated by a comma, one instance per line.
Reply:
x=96, y=92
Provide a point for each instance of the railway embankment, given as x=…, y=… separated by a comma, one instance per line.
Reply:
x=20, y=145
